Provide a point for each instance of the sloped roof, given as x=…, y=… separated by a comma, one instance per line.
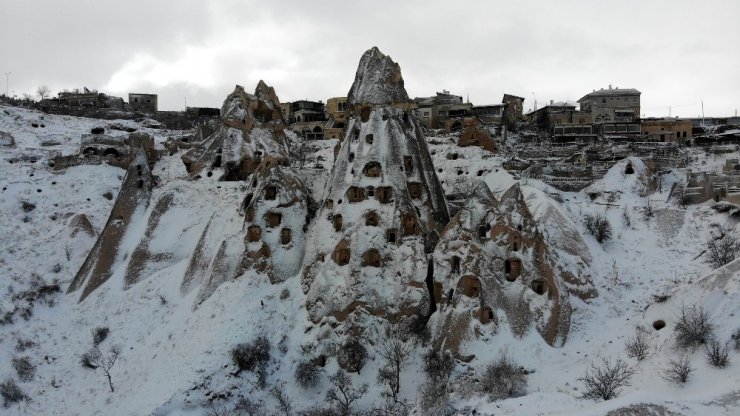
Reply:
x=611, y=92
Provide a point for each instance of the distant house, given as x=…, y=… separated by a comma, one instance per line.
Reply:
x=513, y=110
x=432, y=112
x=612, y=105
x=564, y=122
x=307, y=111
x=667, y=129
x=86, y=98
x=143, y=103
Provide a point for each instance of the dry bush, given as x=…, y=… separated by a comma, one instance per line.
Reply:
x=722, y=247
x=11, y=393
x=99, y=334
x=604, y=382
x=24, y=368
x=599, y=227
x=638, y=346
x=307, y=373
x=352, y=355
x=694, y=327
x=718, y=354
x=342, y=395
x=251, y=356
x=678, y=371
x=504, y=378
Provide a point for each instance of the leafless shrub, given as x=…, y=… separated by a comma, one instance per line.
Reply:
x=99, y=334
x=284, y=403
x=24, y=368
x=11, y=393
x=352, y=355
x=718, y=354
x=605, y=381
x=253, y=357
x=504, y=378
x=694, y=327
x=438, y=366
x=722, y=247
x=243, y=407
x=638, y=346
x=599, y=227
x=342, y=394
x=23, y=344
x=678, y=371
x=307, y=373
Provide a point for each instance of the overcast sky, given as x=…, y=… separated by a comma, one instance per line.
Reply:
x=675, y=52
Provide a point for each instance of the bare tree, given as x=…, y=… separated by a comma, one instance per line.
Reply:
x=341, y=395
x=722, y=246
x=96, y=359
x=395, y=353
x=43, y=92
x=604, y=382
x=718, y=354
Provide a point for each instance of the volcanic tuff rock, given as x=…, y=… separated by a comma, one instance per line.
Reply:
x=491, y=258
x=378, y=81
x=277, y=211
x=130, y=207
x=251, y=128
x=382, y=208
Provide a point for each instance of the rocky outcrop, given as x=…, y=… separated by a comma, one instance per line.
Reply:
x=6, y=139
x=277, y=210
x=492, y=259
x=81, y=224
x=251, y=128
x=378, y=81
x=382, y=208
x=130, y=207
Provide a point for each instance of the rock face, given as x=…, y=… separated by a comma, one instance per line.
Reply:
x=378, y=81
x=382, y=208
x=130, y=206
x=251, y=128
x=277, y=210
x=491, y=259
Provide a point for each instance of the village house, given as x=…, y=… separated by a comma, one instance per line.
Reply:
x=143, y=103
x=673, y=130
x=513, y=110
x=434, y=111
x=612, y=105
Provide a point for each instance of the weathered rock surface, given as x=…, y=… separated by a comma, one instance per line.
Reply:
x=378, y=81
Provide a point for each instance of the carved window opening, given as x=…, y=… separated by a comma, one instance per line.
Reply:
x=372, y=169
x=355, y=194
x=384, y=194
x=337, y=220
x=369, y=139
x=270, y=192
x=408, y=164
x=414, y=189
x=285, y=236
x=470, y=286
x=539, y=287
x=351, y=156
x=391, y=235
x=410, y=226
x=512, y=268
x=274, y=219
x=254, y=233
x=371, y=258
x=372, y=219
x=455, y=264
x=370, y=191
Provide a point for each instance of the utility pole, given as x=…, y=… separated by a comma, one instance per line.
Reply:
x=702, y=112
x=534, y=98
x=7, y=82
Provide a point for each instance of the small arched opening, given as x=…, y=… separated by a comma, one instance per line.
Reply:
x=629, y=170
x=337, y=221
x=512, y=268
x=455, y=264
x=371, y=258
x=372, y=169
x=391, y=235
x=90, y=151
x=539, y=286
x=273, y=219
x=414, y=189
x=254, y=233
x=111, y=152
x=470, y=286
x=369, y=139
x=385, y=194
x=486, y=315
x=286, y=236
x=372, y=219
x=341, y=254
x=410, y=226
x=270, y=192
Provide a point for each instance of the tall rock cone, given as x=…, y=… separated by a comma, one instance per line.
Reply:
x=251, y=128
x=492, y=259
x=382, y=208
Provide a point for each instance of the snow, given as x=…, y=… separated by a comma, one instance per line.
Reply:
x=175, y=345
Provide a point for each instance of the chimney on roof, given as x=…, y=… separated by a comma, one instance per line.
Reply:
x=552, y=102
x=594, y=90
x=610, y=86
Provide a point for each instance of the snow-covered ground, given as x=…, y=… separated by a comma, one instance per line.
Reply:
x=175, y=351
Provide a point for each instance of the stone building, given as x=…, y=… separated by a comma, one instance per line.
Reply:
x=612, y=105
x=143, y=103
x=564, y=122
x=434, y=111
x=382, y=207
x=513, y=111
x=673, y=130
